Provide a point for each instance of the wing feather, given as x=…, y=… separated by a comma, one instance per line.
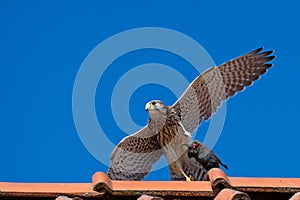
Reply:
x=206, y=93
x=134, y=156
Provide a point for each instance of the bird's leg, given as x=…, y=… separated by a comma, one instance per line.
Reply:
x=188, y=179
x=175, y=167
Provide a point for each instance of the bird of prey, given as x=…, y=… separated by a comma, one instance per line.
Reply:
x=170, y=126
x=204, y=155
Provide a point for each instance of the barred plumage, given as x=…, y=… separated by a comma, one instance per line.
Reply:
x=170, y=126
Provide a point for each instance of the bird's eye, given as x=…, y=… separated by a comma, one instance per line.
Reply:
x=153, y=103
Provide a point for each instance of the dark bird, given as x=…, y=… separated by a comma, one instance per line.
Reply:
x=170, y=126
x=205, y=156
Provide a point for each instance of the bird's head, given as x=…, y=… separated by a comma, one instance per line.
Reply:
x=193, y=149
x=195, y=144
x=156, y=107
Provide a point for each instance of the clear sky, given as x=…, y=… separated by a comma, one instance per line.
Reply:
x=43, y=46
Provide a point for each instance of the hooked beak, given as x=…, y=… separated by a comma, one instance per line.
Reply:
x=147, y=107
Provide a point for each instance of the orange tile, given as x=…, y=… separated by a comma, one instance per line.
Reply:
x=296, y=196
x=102, y=186
x=47, y=189
x=229, y=194
x=102, y=183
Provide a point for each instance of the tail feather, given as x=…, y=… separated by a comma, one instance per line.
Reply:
x=225, y=166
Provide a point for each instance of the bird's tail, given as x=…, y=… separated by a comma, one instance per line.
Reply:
x=225, y=166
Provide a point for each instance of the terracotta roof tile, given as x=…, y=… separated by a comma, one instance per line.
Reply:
x=218, y=186
x=102, y=183
x=296, y=196
x=47, y=190
x=147, y=197
x=229, y=194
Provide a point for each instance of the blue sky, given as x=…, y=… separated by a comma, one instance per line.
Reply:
x=43, y=44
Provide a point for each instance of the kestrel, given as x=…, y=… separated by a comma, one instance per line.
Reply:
x=171, y=126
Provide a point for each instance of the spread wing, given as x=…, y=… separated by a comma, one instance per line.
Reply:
x=206, y=93
x=134, y=156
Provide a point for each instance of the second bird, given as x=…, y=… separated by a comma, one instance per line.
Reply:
x=204, y=155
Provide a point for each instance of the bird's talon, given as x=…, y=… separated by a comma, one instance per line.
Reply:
x=189, y=179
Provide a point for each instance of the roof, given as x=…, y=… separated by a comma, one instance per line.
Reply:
x=219, y=186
